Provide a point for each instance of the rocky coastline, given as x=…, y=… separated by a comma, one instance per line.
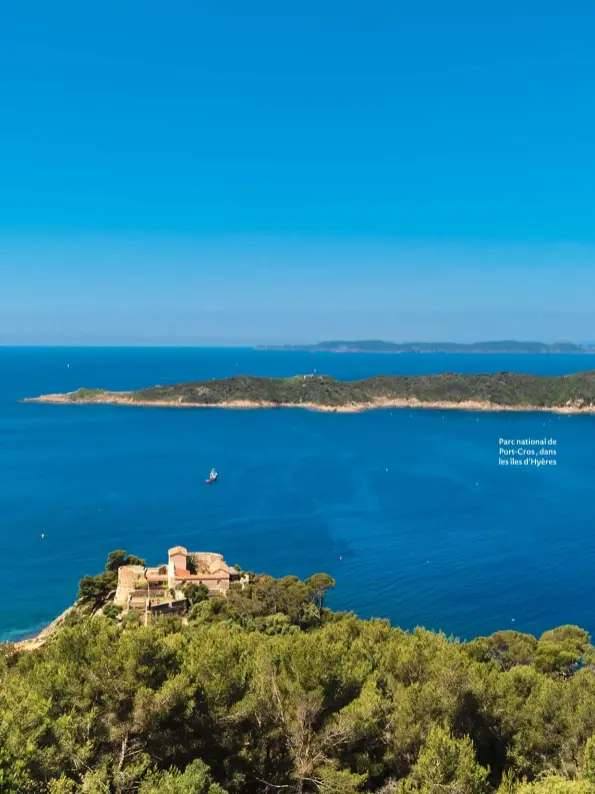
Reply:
x=39, y=638
x=126, y=399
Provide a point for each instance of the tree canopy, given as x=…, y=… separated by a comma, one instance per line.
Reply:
x=119, y=557
x=268, y=690
x=95, y=590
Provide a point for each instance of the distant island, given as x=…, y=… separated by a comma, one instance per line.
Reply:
x=378, y=346
x=500, y=392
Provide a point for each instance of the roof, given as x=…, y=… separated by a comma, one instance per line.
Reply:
x=208, y=563
x=130, y=571
x=182, y=573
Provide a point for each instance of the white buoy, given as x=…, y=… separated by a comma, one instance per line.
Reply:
x=42, y=536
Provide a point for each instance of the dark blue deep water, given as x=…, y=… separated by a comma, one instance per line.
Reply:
x=409, y=511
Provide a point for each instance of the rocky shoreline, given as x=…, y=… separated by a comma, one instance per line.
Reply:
x=124, y=398
x=41, y=637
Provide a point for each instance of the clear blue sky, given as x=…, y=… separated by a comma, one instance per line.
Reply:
x=242, y=172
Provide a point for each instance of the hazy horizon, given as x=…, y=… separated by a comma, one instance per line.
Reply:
x=231, y=344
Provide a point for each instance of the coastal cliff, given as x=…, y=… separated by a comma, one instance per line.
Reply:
x=506, y=391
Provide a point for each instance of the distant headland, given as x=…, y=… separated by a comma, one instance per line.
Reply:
x=505, y=391
x=379, y=346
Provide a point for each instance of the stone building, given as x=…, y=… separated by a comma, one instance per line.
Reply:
x=140, y=588
x=200, y=567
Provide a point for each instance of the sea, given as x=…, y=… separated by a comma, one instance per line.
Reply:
x=411, y=511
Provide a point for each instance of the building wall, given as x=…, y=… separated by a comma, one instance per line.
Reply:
x=219, y=585
x=179, y=560
x=169, y=607
x=171, y=574
x=128, y=576
x=217, y=578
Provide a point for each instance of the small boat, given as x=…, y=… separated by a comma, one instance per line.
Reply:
x=212, y=477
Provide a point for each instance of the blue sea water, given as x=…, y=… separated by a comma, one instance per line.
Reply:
x=408, y=510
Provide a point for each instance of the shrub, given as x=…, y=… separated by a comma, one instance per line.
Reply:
x=112, y=611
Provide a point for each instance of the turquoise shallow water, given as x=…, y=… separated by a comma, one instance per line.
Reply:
x=409, y=511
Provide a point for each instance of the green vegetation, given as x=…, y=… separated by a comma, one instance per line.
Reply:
x=195, y=593
x=83, y=395
x=191, y=564
x=112, y=611
x=95, y=590
x=505, y=389
x=119, y=557
x=268, y=690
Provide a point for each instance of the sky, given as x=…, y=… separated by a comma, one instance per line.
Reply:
x=232, y=173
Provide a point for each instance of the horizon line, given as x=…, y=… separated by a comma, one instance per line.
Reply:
x=262, y=346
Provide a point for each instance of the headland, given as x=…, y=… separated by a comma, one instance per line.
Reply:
x=193, y=676
x=505, y=391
